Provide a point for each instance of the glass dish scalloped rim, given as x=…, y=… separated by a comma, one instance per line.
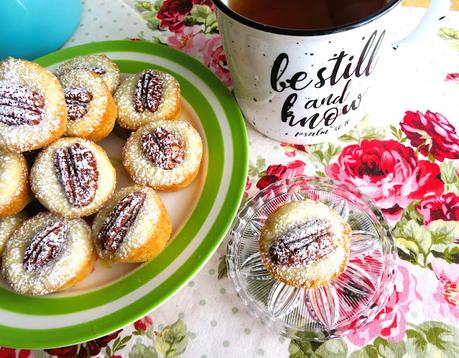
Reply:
x=384, y=291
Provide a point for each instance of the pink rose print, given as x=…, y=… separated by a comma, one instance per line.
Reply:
x=431, y=132
x=452, y=77
x=390, y=322
x=388, y=172
x=191, y=40
x=447, y=293
x=291, y=149
x=277, y=172
x=445, y=207
x=248, y=185
x=366, y=263
x=214, y=57
x=143, y=323
x=172, y=14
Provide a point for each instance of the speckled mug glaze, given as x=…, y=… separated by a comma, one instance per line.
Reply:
x=304, y=86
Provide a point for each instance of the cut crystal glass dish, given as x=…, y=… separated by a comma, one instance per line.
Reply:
x=341, y=306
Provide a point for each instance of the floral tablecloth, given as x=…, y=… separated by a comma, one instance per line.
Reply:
x=404, y=154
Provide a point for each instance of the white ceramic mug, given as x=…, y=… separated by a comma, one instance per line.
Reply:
x=308, y=86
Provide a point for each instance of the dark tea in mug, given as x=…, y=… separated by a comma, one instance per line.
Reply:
x=306, y=14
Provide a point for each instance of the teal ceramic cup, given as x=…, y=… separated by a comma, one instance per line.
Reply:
x=32, y=28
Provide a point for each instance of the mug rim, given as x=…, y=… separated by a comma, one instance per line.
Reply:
x=303, y=32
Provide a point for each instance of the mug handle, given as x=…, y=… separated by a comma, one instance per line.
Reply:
x=437, y=10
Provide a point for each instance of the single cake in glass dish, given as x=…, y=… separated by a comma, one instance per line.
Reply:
x=312, y=258
x=305, y=243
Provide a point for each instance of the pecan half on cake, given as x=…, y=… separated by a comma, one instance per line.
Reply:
x=91, y=109
x=134, y=226
x=305, y=243
x=73, y=177
x=165, y=155
x=48, y=253
x=145, y=97
x=32, y=106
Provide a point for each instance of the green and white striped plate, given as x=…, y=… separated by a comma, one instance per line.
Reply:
x=113, y=297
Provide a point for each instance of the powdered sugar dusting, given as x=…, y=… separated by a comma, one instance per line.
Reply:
x=139, y=231
x=65, y=266
x=47, y=186
x=87, y=112
x=125, y=97
x=13, y=176
x=77, y=172
x=320, y=270
x=48, y=120
x=322, y=258
x=302, y=244
x=144, y=171
x=77, y=100
x=120, y=220
x=148, y=91
x=20, y=105
x=98, y=64
x=45, y=246
x=7, y=227
x=162, y=148
x=97, y=70
x=21, y=94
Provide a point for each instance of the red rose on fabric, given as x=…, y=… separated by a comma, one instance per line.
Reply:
x=388, y=172
x=215, y=58
x=7, y=352
x=172, y=14
x=445, y=207
x=143, y=323
x=104, y=341
x=277, y=172
x=64, y=352
x=13, y=353
x=80, y=351
x=77, y=351
x=452, y=77
x=94, y=347
x=431, y=132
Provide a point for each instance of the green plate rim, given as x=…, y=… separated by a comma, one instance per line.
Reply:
x=45, y=338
